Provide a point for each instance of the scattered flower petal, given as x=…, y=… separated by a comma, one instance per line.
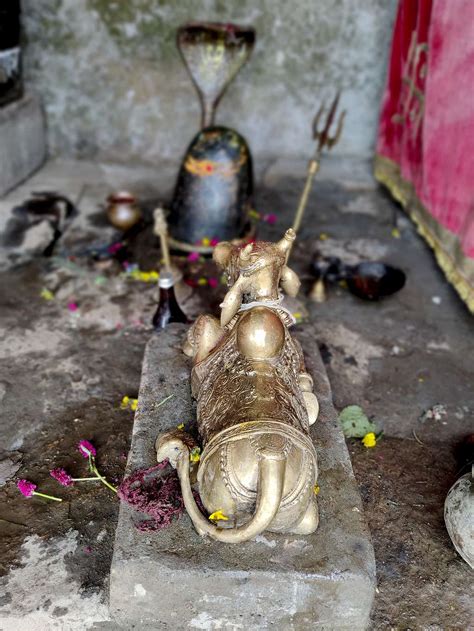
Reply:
x=323, y=236
x=195, y=455
x=213, y=282
x=214, y=242
x=202, y=281
x=180, y=426
x=86, y=449
x=206, y=242
x=316, y=489
x=72, y=306
x=46, y=294
x=26, y=488
x=61, y=476
x=218, y=515
x=271, y=218
x=395, y=233
x=369, y=440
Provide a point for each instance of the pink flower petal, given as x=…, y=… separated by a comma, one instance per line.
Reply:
x=86, y=449
x=213, y=282
x=26, y=488
x=61, y=476
x=193, y=257
x=72, y=306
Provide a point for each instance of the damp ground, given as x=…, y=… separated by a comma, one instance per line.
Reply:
x=68, y=361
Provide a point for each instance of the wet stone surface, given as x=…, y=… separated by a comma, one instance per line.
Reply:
x=176, y=578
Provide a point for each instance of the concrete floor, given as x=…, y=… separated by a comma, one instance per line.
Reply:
x=64, y=374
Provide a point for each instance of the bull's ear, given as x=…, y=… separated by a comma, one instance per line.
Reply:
x=232, y=301
x=289, y=281
x=222, y=252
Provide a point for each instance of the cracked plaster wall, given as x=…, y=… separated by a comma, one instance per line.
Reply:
x=114, y=87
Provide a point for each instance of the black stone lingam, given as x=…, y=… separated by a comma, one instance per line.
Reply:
x=213, y=193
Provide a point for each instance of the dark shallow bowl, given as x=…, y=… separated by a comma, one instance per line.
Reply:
x=374, y=280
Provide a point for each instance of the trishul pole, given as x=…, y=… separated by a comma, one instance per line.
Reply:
x=324, y=139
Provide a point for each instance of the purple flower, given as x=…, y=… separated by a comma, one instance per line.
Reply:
x=26, y=488
x=86, y=449
x=193, y=257
x=271, y=218
x=62, y=477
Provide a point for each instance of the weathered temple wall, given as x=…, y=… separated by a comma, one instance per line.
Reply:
x=114, y=86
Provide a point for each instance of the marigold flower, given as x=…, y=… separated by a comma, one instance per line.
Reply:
x=369, y=440
x=26, y=488
x=86, y=449
x=218, y=515
x=61, y=476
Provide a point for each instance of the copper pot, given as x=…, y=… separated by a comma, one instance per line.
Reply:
x=122, y=210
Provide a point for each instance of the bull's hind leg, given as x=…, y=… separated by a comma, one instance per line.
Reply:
x=310, y=520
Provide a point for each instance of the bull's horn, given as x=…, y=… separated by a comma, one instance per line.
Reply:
x=245, y=253
x=284, y=245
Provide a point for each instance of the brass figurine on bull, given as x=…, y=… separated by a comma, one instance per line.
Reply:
x=255, y=404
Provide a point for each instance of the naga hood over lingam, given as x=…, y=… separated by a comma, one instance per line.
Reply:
x=255, y=404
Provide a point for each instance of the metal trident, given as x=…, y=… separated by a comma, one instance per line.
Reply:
x=324, y=139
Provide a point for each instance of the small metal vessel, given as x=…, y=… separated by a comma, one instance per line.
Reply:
x=122, y=210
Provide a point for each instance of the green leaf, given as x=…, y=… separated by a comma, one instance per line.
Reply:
x=355, y=423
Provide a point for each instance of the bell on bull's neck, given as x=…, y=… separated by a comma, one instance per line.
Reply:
x=213, y=194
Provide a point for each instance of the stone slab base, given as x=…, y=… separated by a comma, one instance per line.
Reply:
x=22, y=141
x=176, y=580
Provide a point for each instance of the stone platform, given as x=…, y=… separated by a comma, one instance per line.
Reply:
x=173, y=579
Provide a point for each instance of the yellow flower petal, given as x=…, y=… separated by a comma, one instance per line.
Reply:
x=396, y=233
x=133, y=404
x=323, y=236
x=180, y=426
x=125, y=402
x=369, y=440
x=218, y=515
x=316, y=489
x=195, y=455
x=46, y=294
x=206, y=242
x=202, y=281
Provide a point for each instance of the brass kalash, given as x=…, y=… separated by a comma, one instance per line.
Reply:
x=255, y=404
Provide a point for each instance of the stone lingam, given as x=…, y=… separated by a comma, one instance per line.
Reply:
x=258, y=469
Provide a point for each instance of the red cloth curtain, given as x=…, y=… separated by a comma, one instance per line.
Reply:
x=426, y=133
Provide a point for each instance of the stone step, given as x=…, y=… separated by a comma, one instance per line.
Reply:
x=175, y=579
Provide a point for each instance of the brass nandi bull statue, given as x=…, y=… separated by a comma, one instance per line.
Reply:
x=254, y=405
